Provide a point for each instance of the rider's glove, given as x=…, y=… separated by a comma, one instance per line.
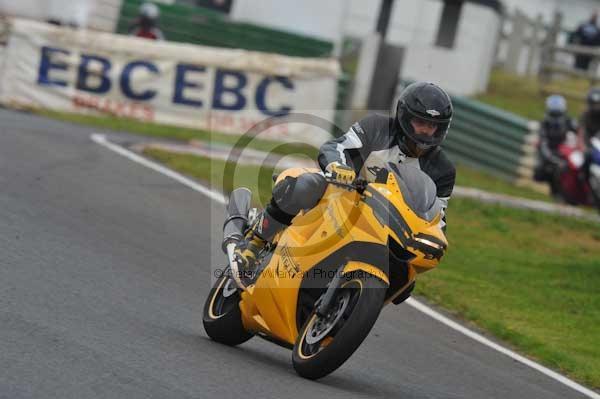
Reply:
x=341, y=173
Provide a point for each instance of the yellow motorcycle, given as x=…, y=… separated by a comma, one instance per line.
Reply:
x=321, y=285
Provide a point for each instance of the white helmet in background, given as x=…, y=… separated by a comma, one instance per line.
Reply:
x=149, y=11
x=556, y=105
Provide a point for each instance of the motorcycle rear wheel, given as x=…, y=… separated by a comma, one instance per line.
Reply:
x=222, y=318
x=325, y=343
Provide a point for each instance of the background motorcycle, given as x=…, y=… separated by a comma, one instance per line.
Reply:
x=594, y=170
x=578, y=177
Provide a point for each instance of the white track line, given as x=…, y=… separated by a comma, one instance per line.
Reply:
x=217, y=196
x=483, y=340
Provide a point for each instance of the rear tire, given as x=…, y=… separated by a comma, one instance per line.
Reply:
x=222, y=317
x=321, y=348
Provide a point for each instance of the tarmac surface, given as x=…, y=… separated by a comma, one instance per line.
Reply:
x=105, y=267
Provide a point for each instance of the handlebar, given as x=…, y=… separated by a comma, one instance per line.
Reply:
x=359, y=184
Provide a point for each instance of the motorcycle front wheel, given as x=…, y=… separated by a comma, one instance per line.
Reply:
x=326, y=342
x=222, y=318
x=594, y=182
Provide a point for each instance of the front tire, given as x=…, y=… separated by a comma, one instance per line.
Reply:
x=222, y=318
x=594, y=183
x=325, y=343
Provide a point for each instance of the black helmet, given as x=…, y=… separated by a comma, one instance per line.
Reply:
x=427, y=102
x=555, y=129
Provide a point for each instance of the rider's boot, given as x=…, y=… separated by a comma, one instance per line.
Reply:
x=262, y=232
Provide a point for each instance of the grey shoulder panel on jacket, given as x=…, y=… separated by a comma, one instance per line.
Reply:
x=378, y=128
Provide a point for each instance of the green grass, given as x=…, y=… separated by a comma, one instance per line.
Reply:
x=181, y=133
x=196, y=167
x=466, y=176
x=523, y=96
x=213, y=172
x=531, y=279
x=469, y=177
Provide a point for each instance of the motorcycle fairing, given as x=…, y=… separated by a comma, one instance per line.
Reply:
x=345, y=227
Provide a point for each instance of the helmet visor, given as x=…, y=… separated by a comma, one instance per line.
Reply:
x=425, y=132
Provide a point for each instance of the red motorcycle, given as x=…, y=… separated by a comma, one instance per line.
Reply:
x=577, y=180
x=572, y=186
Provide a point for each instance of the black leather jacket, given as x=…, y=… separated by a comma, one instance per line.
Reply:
x=372, y=142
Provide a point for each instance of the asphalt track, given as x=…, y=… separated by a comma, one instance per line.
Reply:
x=104, y=268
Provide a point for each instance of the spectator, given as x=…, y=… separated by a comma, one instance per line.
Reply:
x=587, y=34
x=146, y=24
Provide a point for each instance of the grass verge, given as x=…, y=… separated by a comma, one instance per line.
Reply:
x=531, y=279
x=466, y=176
x=469, y=177
x=214, y=172
x=523, y=95
x=181, y=133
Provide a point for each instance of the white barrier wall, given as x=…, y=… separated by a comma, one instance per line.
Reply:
x=104, y=15
x=202, y=87
x=65, y=11
x=464, y=69
x=318, y=18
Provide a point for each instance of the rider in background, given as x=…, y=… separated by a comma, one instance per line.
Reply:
x=553, y=132
x=589, y=126
x=146, y=23
x=589, y=123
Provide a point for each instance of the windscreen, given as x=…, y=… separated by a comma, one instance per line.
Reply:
x=418, y=190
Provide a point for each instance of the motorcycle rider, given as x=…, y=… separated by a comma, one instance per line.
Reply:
x=553, y=131
x=589, y=123
x=412, y=136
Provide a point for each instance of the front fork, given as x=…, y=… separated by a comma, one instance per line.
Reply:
x=324, y=303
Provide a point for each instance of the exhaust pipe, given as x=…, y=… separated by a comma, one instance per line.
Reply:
x=234, y=227
x=237, y=216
